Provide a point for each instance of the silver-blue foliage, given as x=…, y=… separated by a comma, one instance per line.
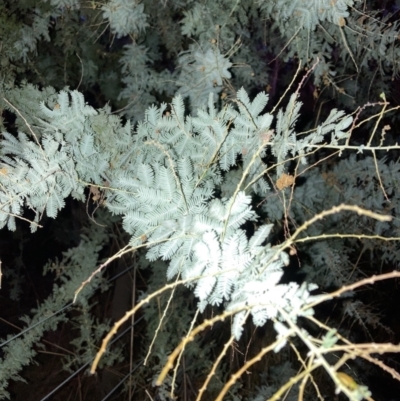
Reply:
x=162, y=179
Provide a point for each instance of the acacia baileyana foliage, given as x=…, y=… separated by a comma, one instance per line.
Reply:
x=217, y=175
